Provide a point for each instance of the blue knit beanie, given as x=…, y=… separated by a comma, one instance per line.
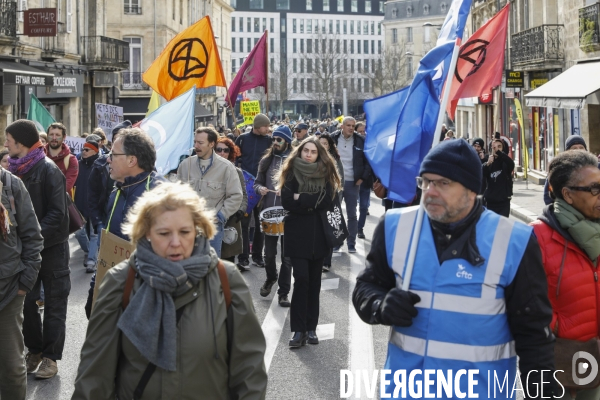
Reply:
x=284, y=132
x=455, y=160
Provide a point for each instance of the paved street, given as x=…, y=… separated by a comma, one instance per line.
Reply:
x=310, y=372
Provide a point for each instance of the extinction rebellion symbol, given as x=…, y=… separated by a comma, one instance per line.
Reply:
x=473, y=52
x=188, y=59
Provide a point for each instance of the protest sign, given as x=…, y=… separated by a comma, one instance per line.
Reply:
x=108, y=116
x=75, y=143
x=249, y=109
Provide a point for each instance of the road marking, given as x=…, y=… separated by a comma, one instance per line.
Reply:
x=272, y=327
x=325, y=331
x=330, y=284
x=361, y=355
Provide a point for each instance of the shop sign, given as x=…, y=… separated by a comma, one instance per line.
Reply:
x=40, y=22
x=105, y=79
x=16, y=78
x=537, y=79
x=67, y=85
x=510, y=93
x=485, y=98
x=514, y=79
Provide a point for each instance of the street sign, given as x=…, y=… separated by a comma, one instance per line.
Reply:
x=40, y=22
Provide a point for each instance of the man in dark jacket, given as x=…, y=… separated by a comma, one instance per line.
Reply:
x=252, y=146
x=478, y=283
x=497, y=175
x=265, y=185
x=46, y=185
x=350, y=146
x=87, y=236
x=21, y=242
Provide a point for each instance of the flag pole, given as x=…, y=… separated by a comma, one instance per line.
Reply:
x=421, y=212
x=267, y=69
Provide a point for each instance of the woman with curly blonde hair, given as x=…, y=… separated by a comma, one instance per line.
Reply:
x=164, y=314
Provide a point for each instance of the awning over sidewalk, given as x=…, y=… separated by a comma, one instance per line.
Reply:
x=21, y=74
x=575, y=87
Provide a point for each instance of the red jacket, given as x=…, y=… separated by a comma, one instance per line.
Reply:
x=59, y=160
x=576, y=307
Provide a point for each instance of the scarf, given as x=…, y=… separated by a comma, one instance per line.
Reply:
x=585, y=232
x=21, y=166
x=149, y=321
x=310, y=176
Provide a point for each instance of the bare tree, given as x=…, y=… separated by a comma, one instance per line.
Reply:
x=391, y=70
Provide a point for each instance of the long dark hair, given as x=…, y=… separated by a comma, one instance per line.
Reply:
x=333, y=151
x=324, y=160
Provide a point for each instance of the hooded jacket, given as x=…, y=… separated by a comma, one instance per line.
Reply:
x=110, y=364
x=498, y=178
x=362, y=169
x=573, y=284
x=73, y=170
x=82, y=185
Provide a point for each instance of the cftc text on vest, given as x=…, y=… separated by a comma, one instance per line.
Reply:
x=440, y=384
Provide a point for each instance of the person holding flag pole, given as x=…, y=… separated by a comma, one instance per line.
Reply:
x=477, y=297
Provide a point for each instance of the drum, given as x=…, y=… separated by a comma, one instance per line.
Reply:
x=271, y=221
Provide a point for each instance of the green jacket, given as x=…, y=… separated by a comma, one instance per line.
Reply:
x=111, y=366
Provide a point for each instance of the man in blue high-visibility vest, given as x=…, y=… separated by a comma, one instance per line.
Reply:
x=477, y=298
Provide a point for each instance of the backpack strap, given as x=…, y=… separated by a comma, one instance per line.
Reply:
x=224, y=283
x=66, y=161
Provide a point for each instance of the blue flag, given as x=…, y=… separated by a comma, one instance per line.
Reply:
x=412, y=112
x=171, y=127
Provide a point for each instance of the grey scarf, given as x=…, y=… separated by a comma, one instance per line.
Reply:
x=149, y=321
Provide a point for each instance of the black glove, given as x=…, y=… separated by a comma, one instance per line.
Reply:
x=239, y=214
x=398, y=308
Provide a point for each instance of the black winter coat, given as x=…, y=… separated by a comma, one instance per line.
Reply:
x=303, y=228
x=82, y=185
x=47, y=188
x=253, y=147
x=100, y=187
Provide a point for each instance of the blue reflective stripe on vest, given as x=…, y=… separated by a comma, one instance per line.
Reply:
x=462, y=321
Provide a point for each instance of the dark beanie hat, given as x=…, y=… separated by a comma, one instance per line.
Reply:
x=455, y=160
x=573, y=140
x=123, y=125
x=261, y=120
x=24, y=132
x=479, y=141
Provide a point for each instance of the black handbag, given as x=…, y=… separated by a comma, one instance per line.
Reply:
x=76, y=220
x=334, y=224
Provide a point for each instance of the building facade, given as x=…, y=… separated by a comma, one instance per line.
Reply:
x=318, y=50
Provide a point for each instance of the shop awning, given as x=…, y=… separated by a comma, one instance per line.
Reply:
x=574, y=88
x=22, y=74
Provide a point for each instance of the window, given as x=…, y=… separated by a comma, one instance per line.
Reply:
x=345, y=46
x=358, y=86
x=294, y=25
x=325, y=5
x=309, y=46
x=302, y=85
x=309, y=26
x=131, y=7
x=255, y=41
x=256, y=24
x=271, y=45
x=241, y=24
x=409, y=66
x=366, y=85
x=242, y=45
x=272, y=25
x=379, y=28
x=233, y=66
x=366, y=28
x=345, y=68
x=324, y=45
x=256, y=4
x=352, y=47
x=340, y=5
x=394, y=12
x=381, y=6
x=316, y=45
x=358, y=66
x=367, y=6
x=372, y=27
x=301, y=66
x=248, y=44
x=301, y=45
x=358, y=27
x=337, y=46
x=330, y=26
x=282, y=5
x=264, y=24
x=241, y=61
x=295, y=65
x=366, y=66
x=309, y=85
x=379, y=47
x=337, y=26
x=308, y=5
x=345, y=27
x=394, y=35
x=354, y=6
x=233, y=3
x=233, y=45
x=316, y=26
x=358, y=48
x=232, y=24
x=351, y=85
x=294, y=48
x=135, y=59
x=409, y=35
x=426, y=9
x=366, y=46
x=309, y=66
x=323, y=27
x=331, y=50
x=282, y=29
x=249, y=24
x=301, y=26
x=352, y=27
x=444, y=7
x=295, y=85
x=351, y=66
x=272, y=65
x=409, y=11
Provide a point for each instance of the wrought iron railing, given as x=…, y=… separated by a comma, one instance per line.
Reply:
x=102, y=50
x=133, y=10
x=589, y=33
x=133, y=81
x=8, y=18
x=540, y=44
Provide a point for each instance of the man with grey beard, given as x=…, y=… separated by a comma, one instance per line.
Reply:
x=478, y=296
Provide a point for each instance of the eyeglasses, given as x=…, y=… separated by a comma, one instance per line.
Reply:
x=86, y=150
x=278, y=140
x=440, y=184
x=222, y=149
x=111, y=154
x=594, y=188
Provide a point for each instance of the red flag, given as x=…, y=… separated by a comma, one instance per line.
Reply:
x=480, y=61
x=252, y=73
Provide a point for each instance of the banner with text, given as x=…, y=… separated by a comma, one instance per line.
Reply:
x=108, y=116
x=249, y=109
x=75, y=143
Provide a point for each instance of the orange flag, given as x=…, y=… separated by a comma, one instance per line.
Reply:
x=191, y=58
x=480, y=61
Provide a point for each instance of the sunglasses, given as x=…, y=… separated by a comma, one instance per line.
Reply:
x=594, y=189
x=278, y=140
x=222, y=149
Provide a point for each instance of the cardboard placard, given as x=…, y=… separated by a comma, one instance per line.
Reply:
x=113, y=250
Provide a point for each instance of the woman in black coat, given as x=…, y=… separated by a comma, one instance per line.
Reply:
x=308, y=182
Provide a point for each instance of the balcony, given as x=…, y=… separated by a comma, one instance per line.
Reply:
x=133, y=81
x=105, y=53
x=541, y=47
x=53, y=47
x=8, y=18
x=589, y=34
x=133, y=10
